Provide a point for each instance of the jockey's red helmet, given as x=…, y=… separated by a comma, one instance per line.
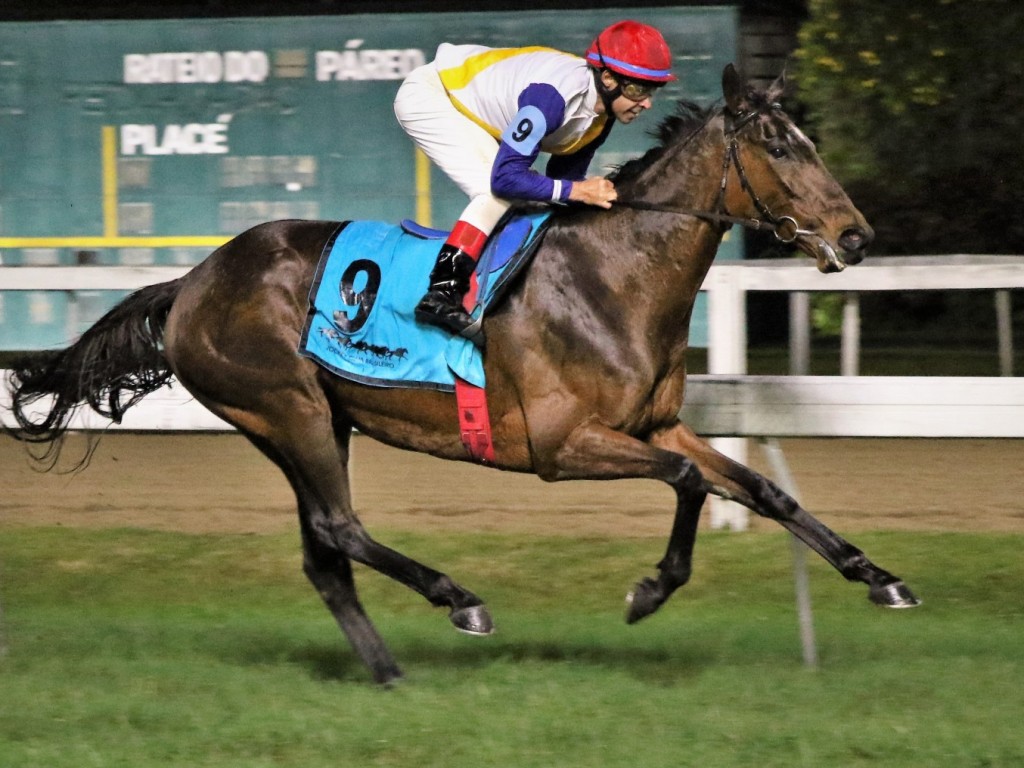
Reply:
x=634, y=50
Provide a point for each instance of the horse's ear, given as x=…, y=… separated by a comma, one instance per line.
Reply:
x=733, y=90
x=777, y=89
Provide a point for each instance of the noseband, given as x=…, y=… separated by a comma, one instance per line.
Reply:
x=785, y=228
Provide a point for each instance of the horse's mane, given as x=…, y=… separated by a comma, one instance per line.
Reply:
x=677, y=128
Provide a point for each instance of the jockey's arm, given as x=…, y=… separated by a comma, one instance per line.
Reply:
x=541, y=110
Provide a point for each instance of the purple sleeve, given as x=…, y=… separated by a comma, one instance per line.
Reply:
x=541, y=111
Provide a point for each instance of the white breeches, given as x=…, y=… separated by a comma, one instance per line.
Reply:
x=453, y=142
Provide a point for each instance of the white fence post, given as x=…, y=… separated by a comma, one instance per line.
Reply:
x=1004, y=326
x=850, y=345
x=799, y=333
x=727, y=354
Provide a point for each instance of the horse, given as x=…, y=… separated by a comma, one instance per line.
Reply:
x=585, y=358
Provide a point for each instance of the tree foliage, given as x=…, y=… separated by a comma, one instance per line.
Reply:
x=918, y=107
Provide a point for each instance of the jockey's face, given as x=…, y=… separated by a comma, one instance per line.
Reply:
x=626, y=108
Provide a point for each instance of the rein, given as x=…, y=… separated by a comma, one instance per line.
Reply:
x=785, y=228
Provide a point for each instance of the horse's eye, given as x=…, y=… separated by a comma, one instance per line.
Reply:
x=777, y=151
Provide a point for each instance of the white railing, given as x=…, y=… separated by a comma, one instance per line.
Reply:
x=855, y=406
x=728, y=283
x=85, y=278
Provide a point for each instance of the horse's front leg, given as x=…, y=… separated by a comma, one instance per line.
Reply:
x=731, y=480
x=675, y=567
x=593, y=451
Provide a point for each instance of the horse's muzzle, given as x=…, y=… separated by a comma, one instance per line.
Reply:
x=854, y=242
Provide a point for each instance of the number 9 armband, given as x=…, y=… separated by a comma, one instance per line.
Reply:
x=526, y=130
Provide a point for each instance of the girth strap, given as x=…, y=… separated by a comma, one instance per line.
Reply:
x=471, y=400
x=474, y=421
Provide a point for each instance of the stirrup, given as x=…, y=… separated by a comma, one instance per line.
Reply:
x=475, y=332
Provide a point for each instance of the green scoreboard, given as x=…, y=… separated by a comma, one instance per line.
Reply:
x=152, y=142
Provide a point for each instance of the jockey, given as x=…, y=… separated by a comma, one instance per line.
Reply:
x=482, y=115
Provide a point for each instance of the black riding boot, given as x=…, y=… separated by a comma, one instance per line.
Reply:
x=449, y=281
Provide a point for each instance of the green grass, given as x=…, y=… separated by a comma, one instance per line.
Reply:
x=132, y=648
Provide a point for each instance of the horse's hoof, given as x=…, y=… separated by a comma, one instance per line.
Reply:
x=388, y=679
x=474, y=620
x=642, y=601
x=895, y=595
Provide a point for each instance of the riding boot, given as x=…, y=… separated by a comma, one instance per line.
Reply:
x=449, y=281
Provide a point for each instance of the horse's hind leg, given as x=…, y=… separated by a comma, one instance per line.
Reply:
x=331, y=574
x=293, y=425
x=729, y=479
x=315, y=463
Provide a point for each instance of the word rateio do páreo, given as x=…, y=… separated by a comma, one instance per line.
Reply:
x=197, y=67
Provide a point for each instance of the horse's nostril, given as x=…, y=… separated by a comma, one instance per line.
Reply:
x=854, y=239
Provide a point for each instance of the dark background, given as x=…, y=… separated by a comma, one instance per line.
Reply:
x=40, y=10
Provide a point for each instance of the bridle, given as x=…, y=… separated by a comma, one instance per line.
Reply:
x=785, y=228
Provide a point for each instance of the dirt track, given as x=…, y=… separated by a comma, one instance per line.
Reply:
x=220, y=483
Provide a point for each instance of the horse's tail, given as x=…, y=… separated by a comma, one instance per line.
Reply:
x=111, y=367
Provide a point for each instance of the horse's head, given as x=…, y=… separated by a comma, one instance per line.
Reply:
x=775, y=175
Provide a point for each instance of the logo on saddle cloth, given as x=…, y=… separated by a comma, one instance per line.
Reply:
x=370, y=278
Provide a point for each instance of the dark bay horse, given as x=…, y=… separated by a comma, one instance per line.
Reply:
x=585, y=362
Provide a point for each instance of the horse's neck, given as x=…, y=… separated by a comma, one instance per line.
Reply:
x=631, y=272
x=681, y=247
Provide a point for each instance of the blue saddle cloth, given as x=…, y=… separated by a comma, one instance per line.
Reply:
x=369, y=280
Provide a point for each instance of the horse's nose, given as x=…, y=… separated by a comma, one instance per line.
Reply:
x=856, y=239
x=854, y=242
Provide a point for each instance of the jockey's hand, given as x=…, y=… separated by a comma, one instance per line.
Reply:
x=596, y=190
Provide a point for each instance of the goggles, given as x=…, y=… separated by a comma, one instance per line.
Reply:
x=637, y=90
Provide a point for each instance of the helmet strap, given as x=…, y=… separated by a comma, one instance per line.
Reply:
x=608, y=95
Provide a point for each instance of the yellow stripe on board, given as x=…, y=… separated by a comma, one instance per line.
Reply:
x=109, y=142
x=423, y=211
x=211, y=241
x=110, y=238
